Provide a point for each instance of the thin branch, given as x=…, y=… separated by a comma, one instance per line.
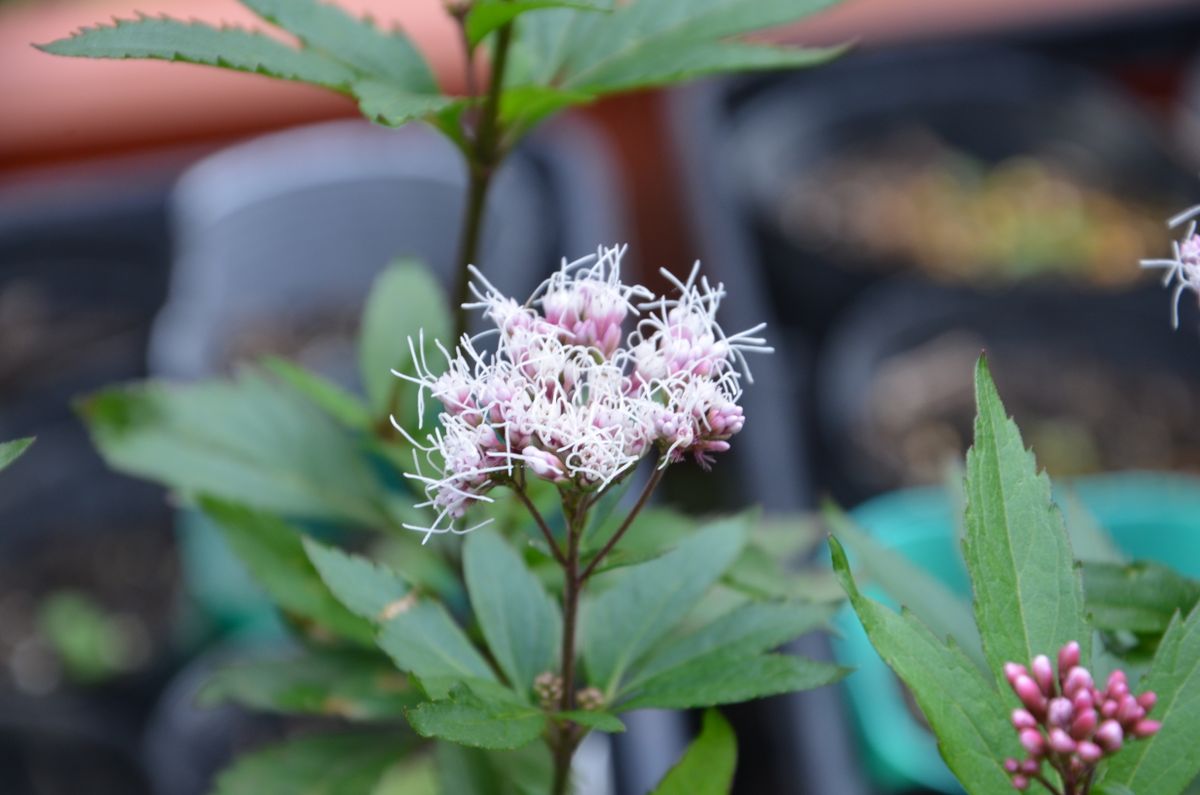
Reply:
x=1045, y=782
x=519, y=490
x=641, y=503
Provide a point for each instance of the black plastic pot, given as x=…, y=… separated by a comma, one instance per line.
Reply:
x=82, y=272
x=1098, y=382
x=799, y=743
x=987, y=103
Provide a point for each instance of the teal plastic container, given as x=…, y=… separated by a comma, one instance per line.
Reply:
x=1150, y=516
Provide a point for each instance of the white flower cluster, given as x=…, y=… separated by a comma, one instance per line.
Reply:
x=568, y=397
x=1184, y=268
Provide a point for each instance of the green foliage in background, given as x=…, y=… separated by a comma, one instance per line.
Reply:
x=563, y=52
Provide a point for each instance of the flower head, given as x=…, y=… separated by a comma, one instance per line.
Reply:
x=566, y=397
x=1068, y=723
x=1184, y=267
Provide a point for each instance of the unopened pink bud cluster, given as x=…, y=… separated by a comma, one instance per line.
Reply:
x=568, y=397
x=1069, y=723
x=1183, y=268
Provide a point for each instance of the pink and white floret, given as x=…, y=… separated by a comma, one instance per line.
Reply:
x=1184, y=267
x=567, y=396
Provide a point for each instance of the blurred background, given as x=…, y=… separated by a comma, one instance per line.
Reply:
x=971, y=175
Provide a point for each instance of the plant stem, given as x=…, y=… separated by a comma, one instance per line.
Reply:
x=651, y=484
x=519, y=489
x=482, y=158
x=564, y=744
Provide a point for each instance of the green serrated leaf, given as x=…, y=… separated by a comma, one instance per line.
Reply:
x=274, y=554
x=366, y=588
x=653, y=533
x=248, y=440
x=522, y=625
x=1140, y=597
x=966, y=713
x=406, y=302
x=11, y=451
x=486, y=16
x=635, y=38
x=600, y=721
x=335, y=401
x=356, y=42
x=342, y=764
x=746, y=631
x=934, y=604
x=677, y=62
x=1167, y=762
x=731, y=678
x=646, y=601
x=198, y=43
x=1028, y=592
x=473, y=771
x=341, y=684
x=707, y=766
x=470, y=720
x=394, y=106
x=423, y=640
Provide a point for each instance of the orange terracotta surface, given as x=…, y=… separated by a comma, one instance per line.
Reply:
x=70, y=105
x=56, y=108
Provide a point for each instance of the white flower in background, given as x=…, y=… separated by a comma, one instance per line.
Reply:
x=566, y=398
x=1184, y=268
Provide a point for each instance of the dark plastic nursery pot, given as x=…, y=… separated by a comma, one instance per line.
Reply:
x=926, y=161
x=1150, y=516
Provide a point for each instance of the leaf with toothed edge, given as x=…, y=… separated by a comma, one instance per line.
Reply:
x=393, y=106
x=198, y=43
x=968, y=715
x=366, y=588
x=357, y=42
x=1028, y=590
x=1167, y=762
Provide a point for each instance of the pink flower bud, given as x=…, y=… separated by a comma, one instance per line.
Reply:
x=1033, y=742
x=1031, y=767
x=1021, y=719
x=1088, y=751
x=1129, y=711
x=1060, y=712
x=1061, y=742
x=1011, y=765
x=1012, y=671
x=1118, y=685
x=1147, y=700
x=1083, y=700
x=1030, y=695
x=544, y=465
x=1043, y=674
x=1077, y=679
x=1084, y=724
x=1146, y=728
x=1020, y=783
x=1068, y=658
x=1110, y=736
x=1109, y=708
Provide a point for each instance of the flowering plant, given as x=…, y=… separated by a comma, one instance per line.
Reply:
x=1077, y=737
x=483, y=632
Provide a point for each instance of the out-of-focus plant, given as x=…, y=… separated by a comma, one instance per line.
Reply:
x=540, y=57
x=1077, y=736
x=11, y=451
